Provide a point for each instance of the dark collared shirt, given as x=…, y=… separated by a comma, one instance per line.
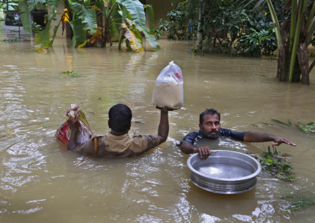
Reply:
x=195, y=136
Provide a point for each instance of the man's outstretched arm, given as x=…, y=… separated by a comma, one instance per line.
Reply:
x=188, y=148
x=263, y=137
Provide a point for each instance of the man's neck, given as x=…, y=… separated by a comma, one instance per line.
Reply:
x=118, y=133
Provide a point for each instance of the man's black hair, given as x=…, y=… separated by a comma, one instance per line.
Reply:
x=211, y=111
x=120, y=117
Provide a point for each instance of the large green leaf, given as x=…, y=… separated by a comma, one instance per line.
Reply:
x=43, y=37
x=53, y=4
x=24, y=15
x=151, y=16
x=78, y=31
x=149, y=37
x=136, y=10
x=134, y=38
x=88, y=16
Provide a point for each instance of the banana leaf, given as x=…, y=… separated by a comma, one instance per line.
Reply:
x=136, y=10
x=79, y=32
x=24, y=15
x=150, y=37
x=151, y=17
x=53, y=4
x=88, y=17
x=134, y=38
x=43, y=37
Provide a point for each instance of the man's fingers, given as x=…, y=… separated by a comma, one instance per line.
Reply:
x=275, y=144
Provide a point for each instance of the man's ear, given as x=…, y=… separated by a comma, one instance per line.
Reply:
x=200, y=127
x=129, y=126
x=108, y=124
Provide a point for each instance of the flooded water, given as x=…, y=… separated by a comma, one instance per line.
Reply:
x=41, y=181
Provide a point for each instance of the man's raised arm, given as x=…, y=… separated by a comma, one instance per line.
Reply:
x=263, y=137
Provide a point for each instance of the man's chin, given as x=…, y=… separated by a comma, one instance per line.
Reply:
x=212, y=136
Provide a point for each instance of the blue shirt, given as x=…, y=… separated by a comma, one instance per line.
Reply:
x=195, y=136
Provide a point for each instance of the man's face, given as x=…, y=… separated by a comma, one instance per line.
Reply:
x=210, y=126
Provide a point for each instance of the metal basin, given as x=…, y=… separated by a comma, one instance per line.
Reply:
x=224, y=172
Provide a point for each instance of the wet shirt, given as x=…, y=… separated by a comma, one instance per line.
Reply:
x=195, y=136
x=113, y=146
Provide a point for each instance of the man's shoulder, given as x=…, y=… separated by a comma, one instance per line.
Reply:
x=233, y=134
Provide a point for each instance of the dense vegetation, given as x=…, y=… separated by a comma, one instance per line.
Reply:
x=92, y=23
x=249, y=28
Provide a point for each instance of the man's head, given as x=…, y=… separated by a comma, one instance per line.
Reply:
x=209, y=123
x=119, y=118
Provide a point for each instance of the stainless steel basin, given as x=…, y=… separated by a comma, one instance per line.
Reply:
x=224, y=172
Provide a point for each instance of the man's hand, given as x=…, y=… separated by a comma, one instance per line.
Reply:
x=73, y=123
x=204, y=152
x=165, y=108
x=278, y=140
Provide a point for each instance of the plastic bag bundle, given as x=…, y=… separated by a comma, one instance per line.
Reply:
x=168, y=89
x=64, y=132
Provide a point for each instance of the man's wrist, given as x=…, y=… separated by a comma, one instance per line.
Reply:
x=195, y=149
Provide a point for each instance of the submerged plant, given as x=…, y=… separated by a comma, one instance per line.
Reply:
x=303, y=201
x=71, y=73
x=276, y=163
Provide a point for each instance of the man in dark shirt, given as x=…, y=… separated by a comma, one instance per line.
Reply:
x=209, y=125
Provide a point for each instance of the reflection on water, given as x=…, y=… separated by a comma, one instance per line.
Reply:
x=42, y=181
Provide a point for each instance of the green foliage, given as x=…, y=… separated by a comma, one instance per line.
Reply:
x=24, y=15
x=71, y=73
x=279, y=122
x=180, y=19
x=276, y=164
x=78, y=31
x=136, y=10
x=303, y=201
x=86, y=15
x=310, y=127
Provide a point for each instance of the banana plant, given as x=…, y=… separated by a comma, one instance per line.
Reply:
x=96, y=21
x=115, y=12
x=298, y=30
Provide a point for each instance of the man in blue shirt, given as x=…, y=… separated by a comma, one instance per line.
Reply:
x=209, y=125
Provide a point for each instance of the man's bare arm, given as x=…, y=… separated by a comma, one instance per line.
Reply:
x=188, y=148
x=263, y=137
x=163, y=126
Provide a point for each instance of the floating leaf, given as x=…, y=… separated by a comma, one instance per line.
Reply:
x=289, y=122
x=310, y=127
x=279, y=122
x=297, y=205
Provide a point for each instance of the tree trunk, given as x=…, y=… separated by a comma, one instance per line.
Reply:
x=200, y=27
x=284, y=58
x=303, y=61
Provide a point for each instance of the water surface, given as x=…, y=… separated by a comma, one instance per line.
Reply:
x=41, y=181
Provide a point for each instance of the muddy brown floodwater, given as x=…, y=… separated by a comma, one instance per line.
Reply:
x=41, y=182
